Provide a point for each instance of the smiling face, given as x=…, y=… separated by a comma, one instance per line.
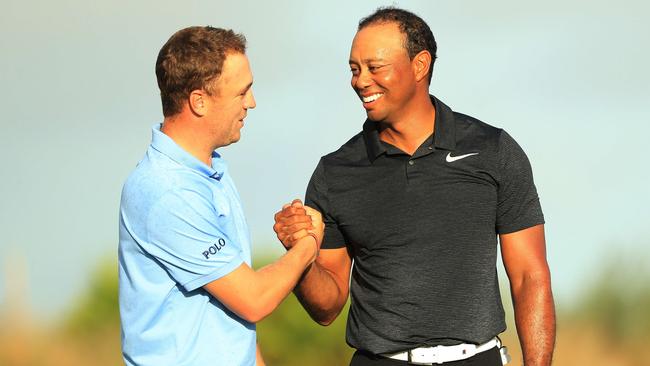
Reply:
x=382, y=72
x=233, y=96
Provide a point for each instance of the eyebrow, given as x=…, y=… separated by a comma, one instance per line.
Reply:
x=246, y=87
x=367, y=61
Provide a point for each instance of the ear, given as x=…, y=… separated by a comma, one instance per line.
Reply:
x=421, y=63
x=198, y=102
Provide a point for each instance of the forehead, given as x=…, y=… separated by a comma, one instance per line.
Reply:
x=378, y=39
x=235, y=71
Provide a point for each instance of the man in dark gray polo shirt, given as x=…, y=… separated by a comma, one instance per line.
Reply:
x=417, y=200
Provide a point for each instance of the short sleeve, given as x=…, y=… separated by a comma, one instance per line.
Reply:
x=518, y=205
x=316, y=197
x=186, y=234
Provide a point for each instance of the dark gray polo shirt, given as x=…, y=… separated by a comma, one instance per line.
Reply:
x=422, y=230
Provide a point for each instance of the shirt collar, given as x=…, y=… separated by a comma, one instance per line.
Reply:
x=166, y=146
x=444, y=136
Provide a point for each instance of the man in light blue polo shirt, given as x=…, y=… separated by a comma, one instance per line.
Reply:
x=188, y=295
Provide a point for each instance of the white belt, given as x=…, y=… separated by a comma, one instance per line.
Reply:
x=442, y=354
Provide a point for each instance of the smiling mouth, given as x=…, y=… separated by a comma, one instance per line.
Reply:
x=371, y=98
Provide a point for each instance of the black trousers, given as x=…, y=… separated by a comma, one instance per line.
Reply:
x=487, y=358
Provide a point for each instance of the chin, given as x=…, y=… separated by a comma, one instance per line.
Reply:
x=374, y=116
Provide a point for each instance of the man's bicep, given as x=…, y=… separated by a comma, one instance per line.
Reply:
x=524, y=252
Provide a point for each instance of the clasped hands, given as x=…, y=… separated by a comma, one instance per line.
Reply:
x=295, y=221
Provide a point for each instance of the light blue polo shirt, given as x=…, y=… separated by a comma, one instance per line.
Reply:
x=181, y=227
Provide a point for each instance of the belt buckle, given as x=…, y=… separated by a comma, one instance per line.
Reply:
x=429, y=353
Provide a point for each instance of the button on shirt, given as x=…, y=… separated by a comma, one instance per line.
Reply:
x=422, y=230
x=181, y=227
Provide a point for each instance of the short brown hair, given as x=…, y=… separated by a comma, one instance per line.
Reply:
x=192, y=59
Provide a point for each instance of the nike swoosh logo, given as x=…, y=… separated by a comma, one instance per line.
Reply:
x=451, y=159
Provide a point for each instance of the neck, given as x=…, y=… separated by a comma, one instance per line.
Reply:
x=189, y=138
x=413, y=126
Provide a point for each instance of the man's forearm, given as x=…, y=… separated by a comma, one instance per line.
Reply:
x=535, y=320
x=255, y=294
x=277, y=279
x=320, y=295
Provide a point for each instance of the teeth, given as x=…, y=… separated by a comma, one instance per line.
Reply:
x=372, y=98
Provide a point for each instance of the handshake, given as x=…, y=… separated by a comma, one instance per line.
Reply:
x=296, y=225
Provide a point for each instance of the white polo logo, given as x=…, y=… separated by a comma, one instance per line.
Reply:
x=451, y=159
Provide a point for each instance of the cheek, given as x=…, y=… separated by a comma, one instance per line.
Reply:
x=233, y=109
x=387, y=78
x=395, y=80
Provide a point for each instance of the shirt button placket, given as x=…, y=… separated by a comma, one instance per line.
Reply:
x=409, y=167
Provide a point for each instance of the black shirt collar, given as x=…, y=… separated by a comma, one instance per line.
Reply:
x=444, y=136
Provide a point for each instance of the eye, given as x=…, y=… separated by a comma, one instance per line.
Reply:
x=354, y=71
x=244, y=92
x=374, y=68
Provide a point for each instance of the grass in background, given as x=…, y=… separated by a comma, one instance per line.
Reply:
x=609, y=325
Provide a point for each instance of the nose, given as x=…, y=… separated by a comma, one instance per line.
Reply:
x=249, y=102
x=362, y=80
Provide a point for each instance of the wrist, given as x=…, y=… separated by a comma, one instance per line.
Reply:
x=310, y=245
x=315, y=242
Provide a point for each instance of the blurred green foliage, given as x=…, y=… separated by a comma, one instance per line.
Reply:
x=97, y=310
x=616, y=303
x=289, y=337
x=618, y=300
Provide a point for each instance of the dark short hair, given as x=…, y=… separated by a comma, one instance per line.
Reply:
x=192, y=59
x=418, y=34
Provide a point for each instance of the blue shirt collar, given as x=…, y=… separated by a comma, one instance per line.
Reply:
x=166, y=146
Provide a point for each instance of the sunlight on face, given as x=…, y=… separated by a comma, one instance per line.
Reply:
x=382, y=75
x=232, y=99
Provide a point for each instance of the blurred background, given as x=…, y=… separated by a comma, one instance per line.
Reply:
x=568, y=80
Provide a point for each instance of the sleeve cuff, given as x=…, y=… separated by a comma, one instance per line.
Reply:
x=218, y=273
x=512, y=228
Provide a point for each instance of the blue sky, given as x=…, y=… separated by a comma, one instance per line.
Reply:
x=568, y=80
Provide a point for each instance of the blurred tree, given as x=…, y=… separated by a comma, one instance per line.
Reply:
x=619, y=300
x=97, y=310
x=289, y=337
